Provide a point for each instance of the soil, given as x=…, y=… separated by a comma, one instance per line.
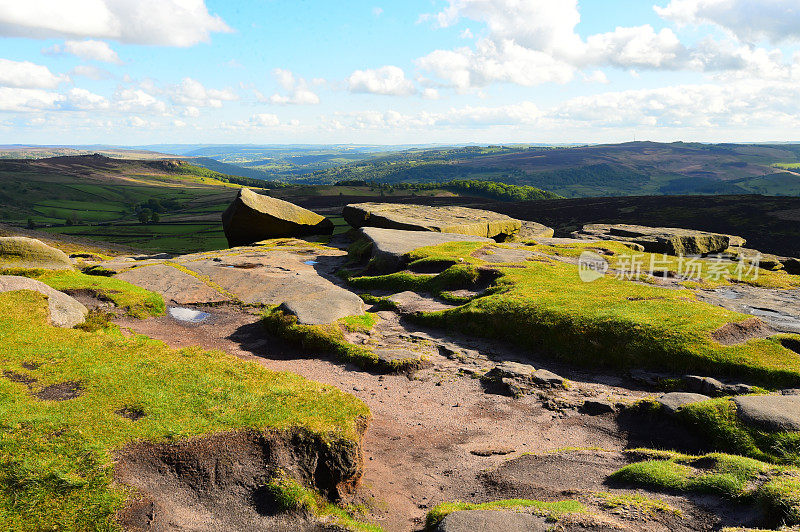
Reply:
x=63, y=391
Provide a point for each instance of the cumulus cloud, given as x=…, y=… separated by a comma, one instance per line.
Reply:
x=158, y=22
x=137, y=100
x=27, y=100
x=749, y=20
x=85, y=100
x=192, y=93
x=387, y=80
x=529, y=42
x=27, y=75
x=296, y=88
x=257, y=121
x=89, y=49
x=91, y=72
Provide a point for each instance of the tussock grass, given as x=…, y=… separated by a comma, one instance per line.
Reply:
x=55, y=456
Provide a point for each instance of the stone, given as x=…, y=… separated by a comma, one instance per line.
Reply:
x=713, y=387
x=411, y=302
x=595, y=407
x=252, y=217
x=674, y=400
x=24, y=252
x=501, y=255
x=547, y=378
x=398, y=357
x=65, y=311
x=174, y=285
x=669, y=240
x=492, y=521
x=450, y=219
x=534, y=231
x=329, y=305
x=770, y=412
x=514, y=370
x=390, y=246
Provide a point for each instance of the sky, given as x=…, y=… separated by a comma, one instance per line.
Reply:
x=137, y=72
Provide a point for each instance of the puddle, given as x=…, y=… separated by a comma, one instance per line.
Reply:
x=310, y=262
x=188, y=315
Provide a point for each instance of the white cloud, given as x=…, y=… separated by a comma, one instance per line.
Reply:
x=296, y=87
x=377, y=11
x=27, y=100
x=88, y=49
x=137, y=100
x=598, y=76
x=749, y=20
x=27, y=75
x=387, y=80
x=158, y=22
x=192, y=93
x=91, y=72
x=85, y=100
x=257, y=121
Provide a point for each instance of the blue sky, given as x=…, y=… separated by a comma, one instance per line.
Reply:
x=420, y=71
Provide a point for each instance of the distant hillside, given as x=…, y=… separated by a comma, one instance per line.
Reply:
x=637, y=168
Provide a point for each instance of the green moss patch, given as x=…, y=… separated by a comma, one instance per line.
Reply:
x=552, y=510
x=776, y=489
x=609, y=322
x=62, y=392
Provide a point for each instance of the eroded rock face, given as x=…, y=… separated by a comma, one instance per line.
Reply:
x=669, y=240
x=460, y=220
x=65, y=311
x=24, y=252
x=253, y=217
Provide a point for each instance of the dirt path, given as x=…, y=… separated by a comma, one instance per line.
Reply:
x=419, y=446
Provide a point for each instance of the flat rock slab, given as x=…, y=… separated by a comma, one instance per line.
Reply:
x=252, y=217
x=65, y=311
x=24, y=252
x=674, y=400
x=389, y=246
x=174, y=285
x=461, y=220
x=398, y=357
x=501, y=255
x=492, y=521
x=779, y=309
x=531, y=230
x=770, y=412
x=669, y=240
x=411, y=302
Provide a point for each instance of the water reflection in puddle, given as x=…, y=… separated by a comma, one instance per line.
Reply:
x=310, y=262
x=188, y=315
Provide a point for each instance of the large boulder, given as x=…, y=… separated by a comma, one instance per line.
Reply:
x=253, y=217
x=24, y=252
x=65, y=311
x=460, y=220
x=669, y=240
x=770, y=412
x=390, y=246
x=673, y=401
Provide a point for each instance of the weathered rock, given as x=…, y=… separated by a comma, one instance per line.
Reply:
x=713, y=387
x=543, y=377
x=780, y=309
x=174, y=285
x=532, y=230
x=460, y=220
x=517, y=379
x=253, y=217
x=669, y=240
x=401, y=358
x=390, y=246
x=492, y=521
x=500, y=255
x=674, y=400
x=326, y=305
x=24, y=252
x=411, y=302
x=770, y=412
x=597, y=407
x=65, y=311
x=514, y=370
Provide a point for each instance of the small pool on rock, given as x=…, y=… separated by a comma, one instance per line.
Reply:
x=310, y=262
x=188, y=315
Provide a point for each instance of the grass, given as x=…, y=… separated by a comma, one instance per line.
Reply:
x=551, y=510
x=55, y=456
x=329, y=339
x=717, y=421
x=363, y=323
x=609, y=322
x=137, y=302
x=291, y=496
x=776, y=489
x=645, y=504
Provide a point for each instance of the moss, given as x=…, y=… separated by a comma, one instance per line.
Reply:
x=363, y=323
x=382, y=303
x=645, y=504
x=55, y=456
x=609, y=322
x=717, y=422
x=205, y=279
x=289, y=495
x=327, y=339
x=776, y=489
x=552, y=510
